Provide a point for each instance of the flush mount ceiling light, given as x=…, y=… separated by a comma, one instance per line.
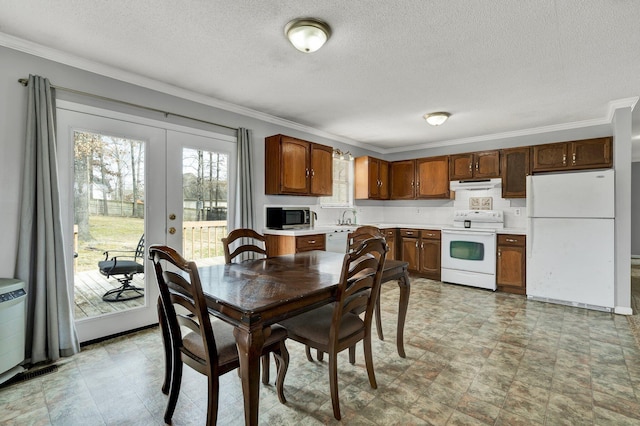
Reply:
x=436, y=118
x=307, y=34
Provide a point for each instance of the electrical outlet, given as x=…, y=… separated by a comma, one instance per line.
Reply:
x=517, y=212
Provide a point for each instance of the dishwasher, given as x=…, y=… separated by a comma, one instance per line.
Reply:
x=337, y=241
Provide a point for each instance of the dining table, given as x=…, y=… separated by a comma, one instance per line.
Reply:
x=255, y=294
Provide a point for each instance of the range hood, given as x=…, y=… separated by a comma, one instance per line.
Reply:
x=457, y=185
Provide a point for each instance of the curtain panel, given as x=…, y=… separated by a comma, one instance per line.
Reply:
x=41, y=253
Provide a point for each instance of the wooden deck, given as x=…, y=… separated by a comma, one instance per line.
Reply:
x=91, y=285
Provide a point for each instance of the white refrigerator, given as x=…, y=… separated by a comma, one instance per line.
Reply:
x=570, y=238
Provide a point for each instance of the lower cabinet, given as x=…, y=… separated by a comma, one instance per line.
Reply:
x=421, y=249
x=278, y=245
x=511, y=263
x=390, y=236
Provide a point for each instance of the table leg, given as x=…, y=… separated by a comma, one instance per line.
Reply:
x=250, y=344
x=403, y=304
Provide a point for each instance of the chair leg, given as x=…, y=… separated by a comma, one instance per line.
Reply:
x=307, y=351
x=319, y=354
x=176, y=381
x=166, y=341
x=282, y=365
x=333, y=384
x=212, y=404
x=368, y=359
x=352, y=354
x=265, y=368
x=378, y=318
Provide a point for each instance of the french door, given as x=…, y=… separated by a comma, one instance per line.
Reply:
x=122, y=178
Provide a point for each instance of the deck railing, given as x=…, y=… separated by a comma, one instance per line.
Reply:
x=202, y=239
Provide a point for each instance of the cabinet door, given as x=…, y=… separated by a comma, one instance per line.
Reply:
x=321, y=171
x=511, y=263
x=403, y=180
x=510, y=268
x=487, y=164
x=432, y=177
x=294, y=166
x=391, y=243
x=591, y=153
x=430, y=256
x=410, y=252
x=373, y=181
x=383, y=177
x=515, y=168
x=553, y=156
x=460, y=166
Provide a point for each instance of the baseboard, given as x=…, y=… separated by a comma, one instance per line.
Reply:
x=623, y=310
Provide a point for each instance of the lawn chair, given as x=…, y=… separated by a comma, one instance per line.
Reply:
x=123, y=266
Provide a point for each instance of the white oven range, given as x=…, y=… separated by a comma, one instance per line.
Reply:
x=469, y=248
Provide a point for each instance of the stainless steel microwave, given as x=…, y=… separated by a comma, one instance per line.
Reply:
x=288, y=217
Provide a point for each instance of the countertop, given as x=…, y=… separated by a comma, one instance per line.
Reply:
x=326, y=229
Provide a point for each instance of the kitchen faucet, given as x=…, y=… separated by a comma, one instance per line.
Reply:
x=348, y=221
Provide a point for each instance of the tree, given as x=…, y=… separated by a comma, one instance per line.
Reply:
x=85, y=144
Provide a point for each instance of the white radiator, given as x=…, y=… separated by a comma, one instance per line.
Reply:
x=12, y=327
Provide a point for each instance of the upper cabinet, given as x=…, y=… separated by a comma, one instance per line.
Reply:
x=371, y=179
x=421, y=178
x=575, y=155
x=515, y=168
x=403, y=180
x=475, y=165
x=297, y=167
x=432, y=177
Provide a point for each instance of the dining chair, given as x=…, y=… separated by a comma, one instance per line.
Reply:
x=208, y=347
x=362, y=233
x=243, y=240
x=335, y=327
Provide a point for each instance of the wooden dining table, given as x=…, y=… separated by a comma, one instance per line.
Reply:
x=253, y=295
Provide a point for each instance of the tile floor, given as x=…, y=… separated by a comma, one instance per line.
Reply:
x=473, y=358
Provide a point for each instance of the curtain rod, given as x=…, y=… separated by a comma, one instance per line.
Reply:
x=25, y=82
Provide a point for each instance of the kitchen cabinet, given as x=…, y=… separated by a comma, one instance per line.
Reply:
x=432, y=177
x=390, y=236
x=422, y=178
x=371, y=178
x=511, y=265
x=474, y=165
x=278, y=245
x=403, y=175
x=297, y=167
x=421, y=249
x=515, y=169
x=430, y=254
x=574, y=155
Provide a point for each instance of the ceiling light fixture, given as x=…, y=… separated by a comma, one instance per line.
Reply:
x=436, y=118
x=307, y=34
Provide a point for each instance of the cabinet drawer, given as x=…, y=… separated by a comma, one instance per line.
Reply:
x=415, y=233
x=511, y=240
x=389, y=233
x=310, y=242
x=430, y=234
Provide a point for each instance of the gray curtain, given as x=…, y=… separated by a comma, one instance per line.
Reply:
x=41, y=252
x=244, y=196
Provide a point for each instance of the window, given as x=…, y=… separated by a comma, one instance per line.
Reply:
x=342, y=185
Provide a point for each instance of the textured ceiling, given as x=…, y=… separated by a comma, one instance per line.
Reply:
x=496, y=66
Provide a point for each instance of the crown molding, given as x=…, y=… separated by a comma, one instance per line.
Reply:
x=75, y=61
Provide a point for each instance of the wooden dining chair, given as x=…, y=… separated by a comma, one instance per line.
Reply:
x=243, y=240
x=355, y=238
x=335, y=327
x=209, y=347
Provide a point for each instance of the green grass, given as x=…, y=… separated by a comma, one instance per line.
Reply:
x=107, y=233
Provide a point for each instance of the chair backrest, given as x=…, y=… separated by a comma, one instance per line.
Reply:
x=245, y=241
x=355, y=238
x=140, y=249
x=184, y=289
x=360, y=280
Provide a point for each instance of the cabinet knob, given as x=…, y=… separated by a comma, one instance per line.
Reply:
x=313, y=173
x=564, y=159
x=416, y=244
x=311, y=241
x=499, y=253
x=511, y=240
x=470, y=167
x=306, y=172
x=477, y=165
x=574, y=158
